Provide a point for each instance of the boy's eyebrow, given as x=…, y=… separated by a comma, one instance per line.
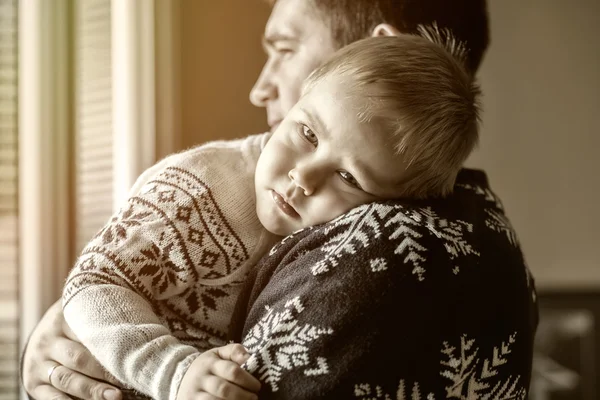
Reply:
x=315, y=121
x=365, y=174
x=368, y=175
x=382, y=187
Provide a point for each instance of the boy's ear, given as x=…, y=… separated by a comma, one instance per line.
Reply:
x=385, y=30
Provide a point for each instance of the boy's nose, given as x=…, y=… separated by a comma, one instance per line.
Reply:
x=305, y=179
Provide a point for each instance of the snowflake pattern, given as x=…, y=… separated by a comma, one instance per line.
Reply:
x=156, y=262
x=465, y=371
x=409, y=246
x=470, y=377
x=277, y=246
x=116, y=230
x=278, y=342
x=169, y=244
x=530, y=285
x=363, y=225
x=451, y=232
x=499, y=223
x=378, y=264
x=485, y=192
x=364, y=391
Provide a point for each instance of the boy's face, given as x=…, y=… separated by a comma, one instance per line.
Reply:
x=322, y=161
x=296, y=41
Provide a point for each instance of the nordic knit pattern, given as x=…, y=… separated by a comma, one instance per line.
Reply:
x=397, y=300
x=159, y=282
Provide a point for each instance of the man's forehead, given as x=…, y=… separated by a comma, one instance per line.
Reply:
x=288, y=19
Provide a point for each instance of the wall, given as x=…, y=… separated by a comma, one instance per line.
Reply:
x=221, y=56
x=541, y=135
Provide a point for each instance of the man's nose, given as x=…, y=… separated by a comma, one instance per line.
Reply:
x=307, y=178
x=264, y=89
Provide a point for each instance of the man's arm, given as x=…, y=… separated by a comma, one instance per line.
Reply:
x=52, y=342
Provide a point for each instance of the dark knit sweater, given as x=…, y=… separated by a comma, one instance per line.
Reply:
x=395, y=300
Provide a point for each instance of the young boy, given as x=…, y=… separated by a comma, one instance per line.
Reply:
x=154, y=291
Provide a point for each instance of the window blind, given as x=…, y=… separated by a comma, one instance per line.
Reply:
x=93, y=118
x=8, y=202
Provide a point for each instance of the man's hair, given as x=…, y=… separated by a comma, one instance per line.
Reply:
x=352, y=20
x=416, y=89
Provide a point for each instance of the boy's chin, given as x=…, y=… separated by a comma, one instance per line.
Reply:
x=279, y=230
x=274, y=225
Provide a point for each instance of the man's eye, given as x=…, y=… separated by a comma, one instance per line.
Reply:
x=309, y=135
x=349, y=179
x=283, y=51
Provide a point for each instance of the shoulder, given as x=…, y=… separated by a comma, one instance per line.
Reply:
x=213, y=161
x=464, y=232
x=461, y=249
x=432, y=278
x=245, y=150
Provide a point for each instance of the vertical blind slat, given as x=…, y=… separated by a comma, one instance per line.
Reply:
x=8, y=201
x=93, y=111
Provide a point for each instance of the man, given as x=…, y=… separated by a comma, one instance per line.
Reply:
x=395, y=329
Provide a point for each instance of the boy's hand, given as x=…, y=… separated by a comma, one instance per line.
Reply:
x=216, y=374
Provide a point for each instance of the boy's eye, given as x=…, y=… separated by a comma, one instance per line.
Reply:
x=349, y=179
x=309, y=135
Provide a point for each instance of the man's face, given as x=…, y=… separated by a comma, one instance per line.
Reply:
x=322, y=161
x=296, y=41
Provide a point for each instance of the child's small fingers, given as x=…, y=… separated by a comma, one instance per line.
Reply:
x=233, y=373
x=234, y=352
x=224, y=389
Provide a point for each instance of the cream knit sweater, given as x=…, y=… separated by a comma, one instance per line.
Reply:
x=157, y=285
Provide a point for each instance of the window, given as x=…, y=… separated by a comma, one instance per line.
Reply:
x=86, y=107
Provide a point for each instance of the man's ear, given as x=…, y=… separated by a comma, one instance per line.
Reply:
x=385, y=30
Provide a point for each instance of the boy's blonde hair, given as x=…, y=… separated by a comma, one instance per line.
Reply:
x=417, y=89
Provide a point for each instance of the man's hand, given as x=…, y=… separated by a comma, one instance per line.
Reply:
x=56, y=365
x=216, y=374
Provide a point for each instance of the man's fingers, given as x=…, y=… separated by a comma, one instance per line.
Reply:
x=75, y=356
x=232, y=372
x=66, y=330
x=234, y=352
x=223, y=389
x=205, y=396
x=73, y=383
x=47, y=392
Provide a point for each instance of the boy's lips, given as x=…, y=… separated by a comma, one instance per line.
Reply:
x=284, y=205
